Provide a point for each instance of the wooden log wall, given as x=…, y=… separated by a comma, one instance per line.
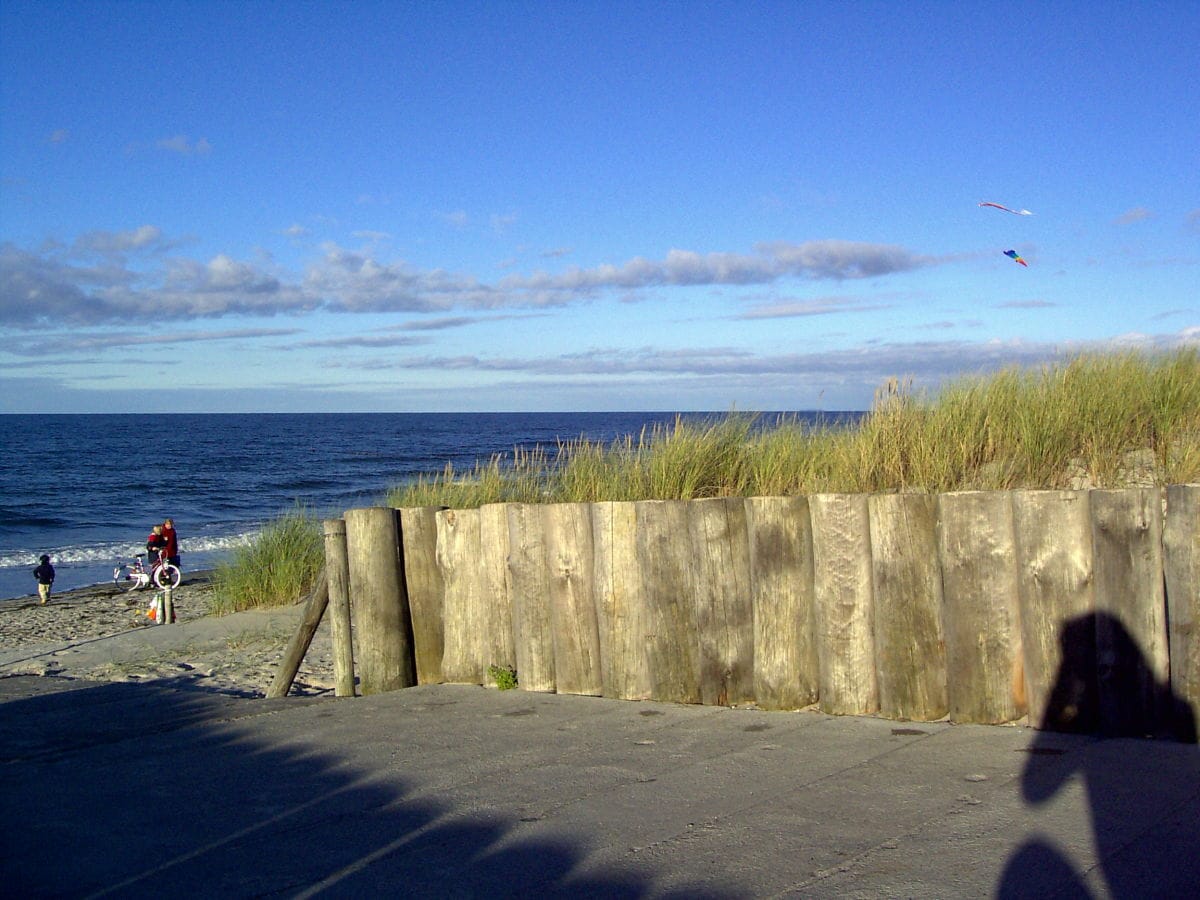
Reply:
x=1072, y=610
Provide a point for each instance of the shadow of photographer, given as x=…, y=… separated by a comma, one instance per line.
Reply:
x=1143, y=795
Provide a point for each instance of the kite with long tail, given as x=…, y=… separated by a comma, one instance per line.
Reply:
x=1015, y=212
x=1012, y=254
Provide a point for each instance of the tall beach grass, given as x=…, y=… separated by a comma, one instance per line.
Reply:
x=278, y=567
x=1095, y=420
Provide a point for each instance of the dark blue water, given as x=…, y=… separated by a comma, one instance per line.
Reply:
x=87, y=488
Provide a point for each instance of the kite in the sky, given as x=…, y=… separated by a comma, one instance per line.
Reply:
x=1012, y=254
x=1015, y=212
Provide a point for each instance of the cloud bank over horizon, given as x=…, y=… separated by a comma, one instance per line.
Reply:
x=108, y=277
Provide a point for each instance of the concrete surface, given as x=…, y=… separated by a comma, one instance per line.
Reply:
x=133, y=790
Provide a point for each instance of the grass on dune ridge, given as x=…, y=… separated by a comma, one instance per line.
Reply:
x=1103, y=420
x=1116, y=418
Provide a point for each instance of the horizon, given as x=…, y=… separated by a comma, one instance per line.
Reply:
x=461, y=208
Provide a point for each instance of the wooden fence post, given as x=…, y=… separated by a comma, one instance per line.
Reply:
x=1056, y=587
x=533, y=634
x=576, y=632
x=844, y=605
x=720, y=548
x=337, y=572
x=664, y=565
x=781, y=579
x=494, y=582
x=1131, y=624
x=314, y=609
x=423, y=579
x=984, y=666
x=380, y=604
x=1181, y=552
x=465, y=619
x=620, y=608
x=910, y=648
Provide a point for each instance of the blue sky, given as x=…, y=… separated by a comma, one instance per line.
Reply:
x=227, y=206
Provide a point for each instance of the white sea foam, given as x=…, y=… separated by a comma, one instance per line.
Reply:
x=109, y=552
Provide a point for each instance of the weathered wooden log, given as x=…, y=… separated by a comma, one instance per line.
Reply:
x=379, y=601
x=620, y=608
x=533, y=634
x=494, y=580
x=314, y=608
x=665, y=567
x=786, y=667
x=337, y=572
x=841, y=536
x=1056, y=588
x=1181, y=559
x=984, y=663
x=423, y=580
x=720, y=549
x=575, y=630
x=910, y=647
x=1131, y=621
x=465, y=616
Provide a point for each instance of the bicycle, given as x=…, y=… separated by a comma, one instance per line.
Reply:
x=134, y=576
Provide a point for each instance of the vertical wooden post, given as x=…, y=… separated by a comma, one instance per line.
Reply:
x=1181, y=558
x=464, y=639
x=620, y=608
x=664, y=565
x=380, y=604
x=984, y=663
x=496, y=596
x=1056, y=587
x=786, y=668
x=1131, y=623
x=844, y=605
x=337, y=573
x=720, y=548
x=568, y=530
x=423, y=580
x=910, y=646
x=533, y=633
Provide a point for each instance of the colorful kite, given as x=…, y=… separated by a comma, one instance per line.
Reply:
x=1012, y=254
x=1015, y=212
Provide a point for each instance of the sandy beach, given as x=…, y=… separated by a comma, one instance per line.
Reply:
x=101, y=634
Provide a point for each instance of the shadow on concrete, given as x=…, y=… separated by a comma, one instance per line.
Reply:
x=139, y=790
x=1145, y=842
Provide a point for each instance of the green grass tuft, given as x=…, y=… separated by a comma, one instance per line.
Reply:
x=277, y=568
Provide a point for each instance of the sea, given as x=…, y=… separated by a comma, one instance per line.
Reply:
x=86, y=489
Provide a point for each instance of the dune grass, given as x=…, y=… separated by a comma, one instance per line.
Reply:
x=1098, y=420
x=277, y=568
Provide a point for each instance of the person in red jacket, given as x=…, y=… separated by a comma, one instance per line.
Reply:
x=172, y=549
x=155, y=545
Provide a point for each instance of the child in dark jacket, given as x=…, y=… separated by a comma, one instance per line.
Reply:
x=45, y=577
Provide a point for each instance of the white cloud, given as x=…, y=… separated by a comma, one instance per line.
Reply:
x=1137, y=214
x=118, y=242
x=182, y=144
x=821, y=306
x=47, y=286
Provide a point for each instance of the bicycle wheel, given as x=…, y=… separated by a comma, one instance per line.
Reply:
x=167, y=576
x=126, y=578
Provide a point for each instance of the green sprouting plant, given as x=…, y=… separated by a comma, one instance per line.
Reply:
x=505, y=677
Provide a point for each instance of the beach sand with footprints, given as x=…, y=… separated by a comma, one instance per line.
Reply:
x=100, y=633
